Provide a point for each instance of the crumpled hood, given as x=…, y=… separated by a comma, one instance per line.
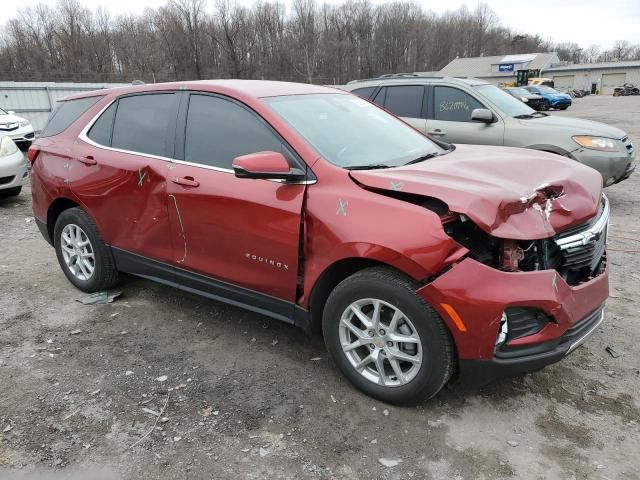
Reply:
x=575, y=126
x=508, y=192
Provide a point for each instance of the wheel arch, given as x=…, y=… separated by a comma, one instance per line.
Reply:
x=54, y=211
x=331, y=277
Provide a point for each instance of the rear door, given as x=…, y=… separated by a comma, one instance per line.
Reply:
x=450, y=118
x=406, y=101
x=232, y=232
x=123, y=158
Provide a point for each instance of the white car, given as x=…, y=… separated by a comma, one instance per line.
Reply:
x=13, y=167
x=18, y=128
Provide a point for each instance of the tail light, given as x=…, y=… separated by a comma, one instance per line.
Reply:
x=32, y=153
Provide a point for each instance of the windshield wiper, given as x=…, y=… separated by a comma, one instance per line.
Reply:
x=526, y=116
x=423, y=158
x=368, y=167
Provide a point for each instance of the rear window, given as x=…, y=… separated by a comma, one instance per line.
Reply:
x=364, y=92
x=142, y=123
x=405, y=100
x=66, y=113
x=101, y=130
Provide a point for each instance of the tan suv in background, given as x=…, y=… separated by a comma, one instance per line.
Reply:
x=468, y=110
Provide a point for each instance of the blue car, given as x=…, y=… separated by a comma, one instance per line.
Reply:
x=551, y=98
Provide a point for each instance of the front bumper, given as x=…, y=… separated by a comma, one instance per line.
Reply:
x=481, y=372
x=13, y=171
x=613, y=166
x=480, y=294
x=20, y=135
x=560, y=102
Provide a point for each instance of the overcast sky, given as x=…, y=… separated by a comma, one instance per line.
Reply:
x=582, y=21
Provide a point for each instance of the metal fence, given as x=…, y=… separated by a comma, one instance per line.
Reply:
x=35, y=100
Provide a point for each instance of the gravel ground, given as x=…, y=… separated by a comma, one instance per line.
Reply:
x=247, y=397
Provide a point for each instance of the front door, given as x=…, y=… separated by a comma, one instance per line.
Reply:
x=230, y=231
x=451, y=119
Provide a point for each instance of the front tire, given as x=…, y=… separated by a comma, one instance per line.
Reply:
x=386, y=339
x=545, y=105
x=82, y=254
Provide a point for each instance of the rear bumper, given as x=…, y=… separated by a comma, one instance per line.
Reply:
x=481, y=372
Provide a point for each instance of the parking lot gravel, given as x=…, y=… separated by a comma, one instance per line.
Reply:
x=164, y=384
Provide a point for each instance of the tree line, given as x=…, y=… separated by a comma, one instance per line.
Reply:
x=306, y=41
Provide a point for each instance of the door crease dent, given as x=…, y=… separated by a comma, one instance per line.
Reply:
x=184, y=237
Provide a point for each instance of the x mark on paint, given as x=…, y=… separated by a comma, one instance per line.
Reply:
x=141, y=176
x=342, y=207
x=396, y=185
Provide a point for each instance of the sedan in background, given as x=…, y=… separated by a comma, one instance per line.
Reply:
x=13, y=167
x=531, y=99
x=18, y=128
x=551, y=98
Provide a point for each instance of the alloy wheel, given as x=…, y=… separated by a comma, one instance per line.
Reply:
x=77, y=252
x=380, y=342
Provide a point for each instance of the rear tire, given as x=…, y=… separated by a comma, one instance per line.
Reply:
x=11, y=192
x=82, y=254
x=416, y=353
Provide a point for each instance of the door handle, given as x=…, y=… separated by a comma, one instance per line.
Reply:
x=88, y=160
x=186, y=181
x=437, y=131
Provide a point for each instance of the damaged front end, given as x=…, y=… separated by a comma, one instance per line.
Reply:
x=578, y=254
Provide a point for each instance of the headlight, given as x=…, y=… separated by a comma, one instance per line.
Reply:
x=7, y=147
x=524, y=99
x=25, y=123
x=596, y=143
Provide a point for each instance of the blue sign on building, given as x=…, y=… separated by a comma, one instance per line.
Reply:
x=505, y=67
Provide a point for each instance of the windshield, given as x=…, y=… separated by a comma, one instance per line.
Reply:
x=545, y=89
x=505, y=102
x=351, y=132
x=3, y=112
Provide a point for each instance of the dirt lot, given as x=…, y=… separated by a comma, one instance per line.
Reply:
x=247, y=397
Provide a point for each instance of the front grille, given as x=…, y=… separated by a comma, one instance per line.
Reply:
x=6, y=180
x=583, y=247
x=8, y=127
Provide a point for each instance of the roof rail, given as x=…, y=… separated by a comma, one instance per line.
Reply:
x=398, y=75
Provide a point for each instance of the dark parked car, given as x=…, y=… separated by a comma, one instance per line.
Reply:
x=531, y=99
x=416, y=259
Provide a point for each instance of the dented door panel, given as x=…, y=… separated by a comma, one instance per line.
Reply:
x=127, y=195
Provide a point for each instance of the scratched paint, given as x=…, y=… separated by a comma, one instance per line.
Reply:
x=182, y=234
x=141, y=177
x=397, y=186
x=342, y=207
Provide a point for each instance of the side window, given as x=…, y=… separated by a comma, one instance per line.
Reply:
x=220, y=130
x=142, y=122
x=405, y=100
x=454, y=105
x=100, y=132
x=379, y=98
x=66, y=113
x=364, y=92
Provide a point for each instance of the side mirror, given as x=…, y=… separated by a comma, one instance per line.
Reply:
x=482, y=115
x=11, y=112
x=266, y=165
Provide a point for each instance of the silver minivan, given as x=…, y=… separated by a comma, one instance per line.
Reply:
x=468, y=110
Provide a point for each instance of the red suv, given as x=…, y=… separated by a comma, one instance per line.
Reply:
x=416, y=259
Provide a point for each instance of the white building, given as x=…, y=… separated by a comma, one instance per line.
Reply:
x=603, y=77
